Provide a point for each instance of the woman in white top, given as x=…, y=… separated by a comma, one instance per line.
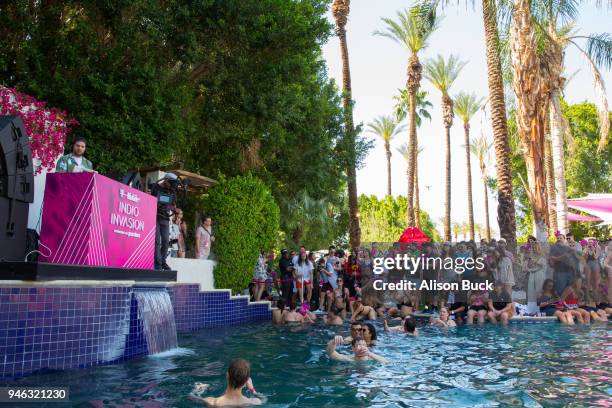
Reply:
x=303, y=269
x=505, y=275
x=535, y=264
x=204, y=238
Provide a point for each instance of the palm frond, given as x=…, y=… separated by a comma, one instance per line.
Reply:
x=442, y=73
x=466, y=105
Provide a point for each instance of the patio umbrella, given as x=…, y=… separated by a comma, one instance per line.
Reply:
x=577, y=217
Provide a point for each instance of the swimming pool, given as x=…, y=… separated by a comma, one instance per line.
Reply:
x=480, y=366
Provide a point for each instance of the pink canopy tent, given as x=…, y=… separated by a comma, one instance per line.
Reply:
x=577, y=217
x=598, y=205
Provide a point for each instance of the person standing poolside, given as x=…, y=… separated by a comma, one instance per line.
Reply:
x=287, y=272
x=182, y=249
x=75, y=161
x=359, y=347
x=238, y=377
x=204, y=238
x=561, y=260
x=592, y=273
x=303, y=276
x=324, y=286
x=535, y=265
x=260, y=275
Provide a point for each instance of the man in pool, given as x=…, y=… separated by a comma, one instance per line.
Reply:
x=333, y=318
x=360, y=350
x=238, y=377
x=292, y=316
x=408, y=327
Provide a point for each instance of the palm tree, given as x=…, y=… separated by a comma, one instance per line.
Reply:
x=386, y=128
x=401, y=108
x=481, y=148
x=531, y=90
x=403, y=150
x=466, y=105
x=413, y=28
x=506, y=216
x=598, y=53
x=442, y=74
x=340, y=10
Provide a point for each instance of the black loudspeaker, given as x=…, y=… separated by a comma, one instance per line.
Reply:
x=16, y=187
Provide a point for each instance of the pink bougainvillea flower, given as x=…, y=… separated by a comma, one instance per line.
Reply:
x=47, y=128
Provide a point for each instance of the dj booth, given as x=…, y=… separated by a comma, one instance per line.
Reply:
x=91, y=228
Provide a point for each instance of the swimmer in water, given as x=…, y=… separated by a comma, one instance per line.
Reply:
x=238, y=377
x=277, y=314
x=309, y=317
x=291, y=316
x=332, y=317
x=408, y=327
x=443, y=320
x=360, y=351
x=362, y=312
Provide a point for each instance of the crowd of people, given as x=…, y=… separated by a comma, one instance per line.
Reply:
x=568, y=279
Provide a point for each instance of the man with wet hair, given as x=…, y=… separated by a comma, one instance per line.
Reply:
x=238, y=376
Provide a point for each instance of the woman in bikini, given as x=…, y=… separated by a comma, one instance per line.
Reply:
x=573, y=297
x=340, y=297
x=477, y=307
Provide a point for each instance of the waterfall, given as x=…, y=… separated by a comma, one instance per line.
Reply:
x=156, y=313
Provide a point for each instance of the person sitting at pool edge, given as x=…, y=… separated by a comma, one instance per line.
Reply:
x=360, y=350
x=332, y=317
x=500, y=304
x=238, y=376
x=443, y=320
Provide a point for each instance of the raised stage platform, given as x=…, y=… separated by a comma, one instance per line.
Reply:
x=32, y=271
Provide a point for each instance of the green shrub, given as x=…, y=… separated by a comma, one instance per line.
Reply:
x=246, y=220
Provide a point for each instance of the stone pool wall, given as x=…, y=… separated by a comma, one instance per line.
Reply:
x=56, y=328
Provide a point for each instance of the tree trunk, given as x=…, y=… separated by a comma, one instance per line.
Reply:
x=556, y=136
x=412, y=86
x=531, y=102
x=447, y=196
x=388, y=152
x=486, y=203
x=417, y=203
x=349, y=134
x=550, y=187
x=466, y=130
x=505, y=197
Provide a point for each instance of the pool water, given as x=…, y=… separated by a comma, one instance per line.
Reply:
x=528, y=365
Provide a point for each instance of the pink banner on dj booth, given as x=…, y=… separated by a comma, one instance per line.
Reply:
x=89, y=219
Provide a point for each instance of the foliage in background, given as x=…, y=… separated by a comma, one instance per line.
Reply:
x=222, y=87
x=586, y=170
x=384, y=219
x=246, y=221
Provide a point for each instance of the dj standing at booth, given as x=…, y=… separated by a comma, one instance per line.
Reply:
x=75, y=161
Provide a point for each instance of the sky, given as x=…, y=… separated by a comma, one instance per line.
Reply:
x=378, y=70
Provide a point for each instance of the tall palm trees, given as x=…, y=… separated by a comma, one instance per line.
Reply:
x=340, y=10
x=558, y=37
x=403, y=150
x=505, y=195
x=413, y=28
x=386, y=128
x=481, y=148
x=442, y=74
x=466, y=105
